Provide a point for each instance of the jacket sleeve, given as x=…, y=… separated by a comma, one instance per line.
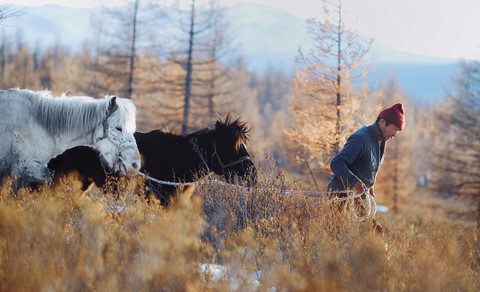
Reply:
x=349, y=153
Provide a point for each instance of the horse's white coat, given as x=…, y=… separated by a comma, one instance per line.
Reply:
x=35, y=127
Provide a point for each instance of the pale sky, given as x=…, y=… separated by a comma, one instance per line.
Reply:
x=441, y=28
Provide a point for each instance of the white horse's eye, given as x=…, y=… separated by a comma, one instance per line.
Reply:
x=119, y=129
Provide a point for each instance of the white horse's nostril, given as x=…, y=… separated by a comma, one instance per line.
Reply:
x=135, y=165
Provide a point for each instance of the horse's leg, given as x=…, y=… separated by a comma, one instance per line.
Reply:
x=33, y=173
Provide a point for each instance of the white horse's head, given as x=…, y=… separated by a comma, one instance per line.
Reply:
x=114, y=138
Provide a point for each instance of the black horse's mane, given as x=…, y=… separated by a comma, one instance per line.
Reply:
x=237, y=128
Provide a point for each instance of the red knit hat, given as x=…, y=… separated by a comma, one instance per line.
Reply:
x=395, y=115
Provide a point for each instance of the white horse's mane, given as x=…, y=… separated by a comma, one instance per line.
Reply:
x=76, y=113
x=128, y=112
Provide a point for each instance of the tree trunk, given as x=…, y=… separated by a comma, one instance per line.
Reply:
x=339, y=78
x=211, y=95
x=188, y=77
x=2, y=59
x=132, y=51
x=395, y=178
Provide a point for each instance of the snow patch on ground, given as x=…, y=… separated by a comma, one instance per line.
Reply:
x=382, y=208
x=236, y=278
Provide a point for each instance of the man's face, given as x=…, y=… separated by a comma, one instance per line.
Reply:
x=388, y=132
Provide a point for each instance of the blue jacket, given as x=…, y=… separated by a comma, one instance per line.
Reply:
x=359, y=160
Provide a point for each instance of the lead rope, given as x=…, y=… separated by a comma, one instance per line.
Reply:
x=368, y=203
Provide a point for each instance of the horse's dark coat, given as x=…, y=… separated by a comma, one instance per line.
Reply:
x=171, y=157
x=81, y=160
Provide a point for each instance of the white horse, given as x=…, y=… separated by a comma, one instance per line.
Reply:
x=35, y=127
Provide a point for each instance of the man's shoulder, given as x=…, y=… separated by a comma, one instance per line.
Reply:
x=366, y=135
x=361, y=133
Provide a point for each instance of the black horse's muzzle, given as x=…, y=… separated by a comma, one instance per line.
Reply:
x=244, y=171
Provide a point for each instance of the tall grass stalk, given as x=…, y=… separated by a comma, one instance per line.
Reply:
x=60, y=239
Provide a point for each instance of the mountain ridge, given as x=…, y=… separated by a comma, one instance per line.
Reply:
x=269, y=39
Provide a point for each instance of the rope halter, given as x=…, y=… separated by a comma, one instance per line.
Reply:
x=240, y=160
x=120, y=142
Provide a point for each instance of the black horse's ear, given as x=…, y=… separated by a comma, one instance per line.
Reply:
x=112, y=105
x=228, y=119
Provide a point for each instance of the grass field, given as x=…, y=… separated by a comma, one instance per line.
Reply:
x=260, y=240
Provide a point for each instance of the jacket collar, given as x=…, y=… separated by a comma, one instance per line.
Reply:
x=375, y=132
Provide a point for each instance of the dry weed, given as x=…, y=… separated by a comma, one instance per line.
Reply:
x=262, y=238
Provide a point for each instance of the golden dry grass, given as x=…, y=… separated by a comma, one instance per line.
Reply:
x=60, y=239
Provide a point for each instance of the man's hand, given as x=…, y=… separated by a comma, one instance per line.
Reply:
x=359, y=188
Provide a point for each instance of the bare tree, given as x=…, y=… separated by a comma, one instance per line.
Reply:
x=189, y=68
x=459, y=149
x=200, y=46
x=273, y=90
x=213, y=78
x=19, y=66
x=6, y=12
x=133, y=51
x=326, y=104
x=396, y=181
x=122, y=33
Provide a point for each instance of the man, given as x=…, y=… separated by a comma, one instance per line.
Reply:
x=356, y=166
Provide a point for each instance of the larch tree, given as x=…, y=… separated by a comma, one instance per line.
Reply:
x=66, y=72
x=459, y=173
x=273, y=90
x=442, y=177
x=199, y=86
x=120, y=55
x=5, y=56
x=214, y=74
x=326, y=104
x=396, y=180
x=247, y=108
x=120, y=36
x=6, y=11
x=20, y=65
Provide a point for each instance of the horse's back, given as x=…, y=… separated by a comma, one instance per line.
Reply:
x=158, y=145
x=18, y=98
x=14, y=116
x=14, y=106
x=150, y=140
x=161, y=153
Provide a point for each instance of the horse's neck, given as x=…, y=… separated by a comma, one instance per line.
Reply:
x=191, y=162
x=203, y=153
x=68, y=141
x=170, y=157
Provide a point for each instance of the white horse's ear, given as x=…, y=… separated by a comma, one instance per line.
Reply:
x=112, y=105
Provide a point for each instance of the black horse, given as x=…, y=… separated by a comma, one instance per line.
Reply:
x=172, y=158
x=84, y=162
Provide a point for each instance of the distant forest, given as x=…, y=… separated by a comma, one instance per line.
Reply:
x=185, y=81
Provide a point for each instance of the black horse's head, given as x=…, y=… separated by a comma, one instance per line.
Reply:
x=229, y=156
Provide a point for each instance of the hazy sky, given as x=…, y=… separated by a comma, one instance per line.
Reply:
x=442, y=28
